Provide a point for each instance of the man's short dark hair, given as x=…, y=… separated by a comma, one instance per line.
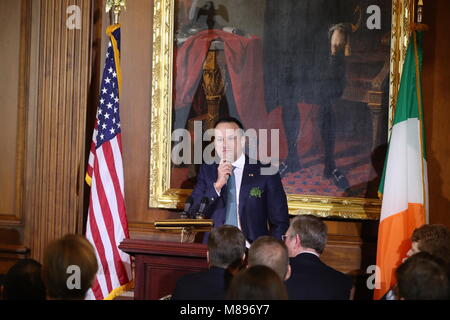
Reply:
x=226, y=246
x=270, y=252
x=23, y=281
x=434, y=239
x=423, y=277
x=312, y=231
x=229, y=120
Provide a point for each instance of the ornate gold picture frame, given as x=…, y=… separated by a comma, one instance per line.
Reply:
x=161, y=193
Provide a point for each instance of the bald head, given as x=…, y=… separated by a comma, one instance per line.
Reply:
x=270, y=252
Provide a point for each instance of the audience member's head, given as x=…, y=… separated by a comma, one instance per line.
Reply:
x=257, y=283
x=306, y=233
x=270, y=252
x=70, y=256
x=422, y=277
x=23, y=281
x=226, y=246
x=431, y=238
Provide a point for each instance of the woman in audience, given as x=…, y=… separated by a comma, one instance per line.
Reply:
x=69, y=268
x=257, y=283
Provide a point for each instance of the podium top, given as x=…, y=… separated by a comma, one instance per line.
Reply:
x=183, y=223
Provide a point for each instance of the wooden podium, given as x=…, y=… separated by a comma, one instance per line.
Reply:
x=158, y=265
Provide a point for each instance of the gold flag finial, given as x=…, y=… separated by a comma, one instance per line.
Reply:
x=419, y=11
x=115, y=7
x=419, y=26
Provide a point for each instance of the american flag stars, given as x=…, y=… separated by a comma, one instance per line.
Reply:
x=107, y=114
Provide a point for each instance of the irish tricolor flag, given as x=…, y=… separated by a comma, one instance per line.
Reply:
x=404, y=183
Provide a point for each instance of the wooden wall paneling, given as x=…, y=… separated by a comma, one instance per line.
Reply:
x=9, y=90
x=436, y=101
x=55, y=203
x=93, y=92
x=15, y=52
x=351, y=249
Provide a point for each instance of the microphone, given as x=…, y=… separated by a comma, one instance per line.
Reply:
x=187, y=206
x=203, y=205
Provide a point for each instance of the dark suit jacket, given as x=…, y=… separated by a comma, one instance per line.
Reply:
x=206, y=285
x=254, y=212
x=311, y=279
x=297, y=50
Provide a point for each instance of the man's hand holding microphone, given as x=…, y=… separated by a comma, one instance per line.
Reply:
x=224, y=171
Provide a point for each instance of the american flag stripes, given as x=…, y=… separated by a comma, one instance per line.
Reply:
x=107, y=223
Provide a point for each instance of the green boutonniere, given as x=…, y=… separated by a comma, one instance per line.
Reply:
x=256, y=192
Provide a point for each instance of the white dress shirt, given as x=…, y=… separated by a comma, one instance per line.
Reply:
x=310, y=252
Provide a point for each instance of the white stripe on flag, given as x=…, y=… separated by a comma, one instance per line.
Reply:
x=111, y=196
x=101, y=279
x=98, y=216
x=91, y=154
x=403, y=180
x=118, y=163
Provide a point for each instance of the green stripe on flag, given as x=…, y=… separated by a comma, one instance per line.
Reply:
x=407, y=101
x=409, y=93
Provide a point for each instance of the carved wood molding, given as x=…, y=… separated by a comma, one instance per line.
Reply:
x=14, y=218
x=57, y=120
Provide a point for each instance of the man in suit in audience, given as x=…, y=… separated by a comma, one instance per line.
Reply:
x=311, y=279
x=226, y=247
x=247, y=195
x=270, y=252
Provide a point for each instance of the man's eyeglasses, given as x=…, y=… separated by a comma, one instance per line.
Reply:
x=285, y=236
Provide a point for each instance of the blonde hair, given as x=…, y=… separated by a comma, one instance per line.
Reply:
x=69, y=251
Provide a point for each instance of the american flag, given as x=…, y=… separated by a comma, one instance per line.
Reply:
x=107, y=222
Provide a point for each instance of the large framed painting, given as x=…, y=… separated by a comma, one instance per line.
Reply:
x=319, y=77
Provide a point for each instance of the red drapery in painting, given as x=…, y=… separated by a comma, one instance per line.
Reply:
x=243, y=57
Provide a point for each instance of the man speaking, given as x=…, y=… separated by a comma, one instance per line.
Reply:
x=238, y=192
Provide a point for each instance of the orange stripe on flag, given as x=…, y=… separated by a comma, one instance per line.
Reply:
x=394, y=242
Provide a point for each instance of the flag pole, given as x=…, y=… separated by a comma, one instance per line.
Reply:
x=419, y=26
